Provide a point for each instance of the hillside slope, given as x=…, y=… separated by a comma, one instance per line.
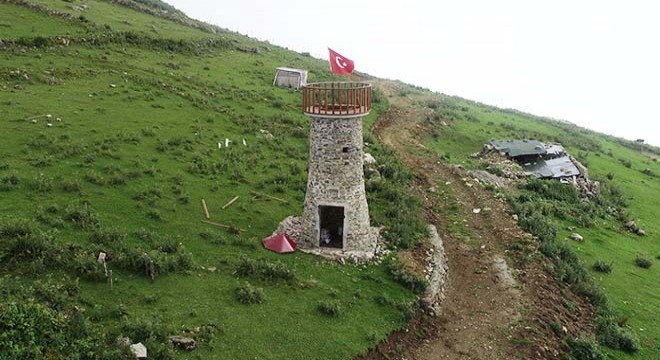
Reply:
x=115, y=124
x=459, y=128
x=116, y=116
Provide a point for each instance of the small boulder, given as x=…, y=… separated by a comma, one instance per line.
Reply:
x=514, y=217
x=183, y=343
x=577, y=237
x=139, y=350
x=369, y=159
x=640, y=232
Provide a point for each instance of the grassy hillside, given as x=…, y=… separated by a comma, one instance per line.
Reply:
x=114, y=124
x=115, y=116
x=461, y=128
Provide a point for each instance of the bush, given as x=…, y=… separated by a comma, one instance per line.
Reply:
x=81, y=215
x=40, y=321
x=41, y=184
x=382, y=299
x=9, y=182
x=602, y=266
x=643, y=262
x=584, y=349
x=540, y=226
x=593, y=293
x=12, y=228
x=407, y=279
x=264, y=270
x=612, y=335
x=407, y=309
x=108, y=237
x=248, y=294
x=330, y=308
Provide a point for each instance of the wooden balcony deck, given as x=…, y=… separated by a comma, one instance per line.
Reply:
x=337, y=99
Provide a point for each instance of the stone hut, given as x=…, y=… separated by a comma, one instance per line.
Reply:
x=336, y=214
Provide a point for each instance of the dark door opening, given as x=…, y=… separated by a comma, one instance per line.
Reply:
x=331, y=226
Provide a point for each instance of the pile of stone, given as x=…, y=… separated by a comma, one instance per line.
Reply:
x=499, y=164
x=586, y=187
x=633, y=228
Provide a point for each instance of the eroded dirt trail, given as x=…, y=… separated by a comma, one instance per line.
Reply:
x=488, y=313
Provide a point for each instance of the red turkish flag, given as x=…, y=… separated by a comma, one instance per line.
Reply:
x=340, y=64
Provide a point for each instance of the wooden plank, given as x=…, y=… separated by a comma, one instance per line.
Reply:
x=270, y=197
x=224, y=226
x=230, y=202
x=206, y=210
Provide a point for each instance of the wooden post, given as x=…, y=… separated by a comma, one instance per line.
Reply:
x=110, y=278
x=270, y=197
x=220, y=225
x=230, y=202
x=206, y=210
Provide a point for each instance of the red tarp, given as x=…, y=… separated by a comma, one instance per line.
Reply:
x=279, y=243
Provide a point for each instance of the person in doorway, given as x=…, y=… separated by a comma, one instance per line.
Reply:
x=325, y=236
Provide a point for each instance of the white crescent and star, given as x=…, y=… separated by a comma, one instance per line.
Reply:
x=340, y=62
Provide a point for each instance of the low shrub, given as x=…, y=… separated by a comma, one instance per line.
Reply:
x=407, y=279
x=40, y=320
x=602, y=266
x=643, y=262
x=153, y=334
x=407, y=310
x=593, y=293
x=108, y=237
x=612, y=335
x=382, y=299
x=82, y=215
x=9, y=182
x=584, y=349
x=264, y=270
x=14, y=227
x=330, y=307
x=41, y=184
x=248, y=294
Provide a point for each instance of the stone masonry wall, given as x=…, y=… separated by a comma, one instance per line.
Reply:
x=336, y=178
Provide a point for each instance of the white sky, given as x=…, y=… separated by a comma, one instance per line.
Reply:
x=594, y=63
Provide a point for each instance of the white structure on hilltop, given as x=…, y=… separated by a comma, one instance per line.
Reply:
x=290, y=78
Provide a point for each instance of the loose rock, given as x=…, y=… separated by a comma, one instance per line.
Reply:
x=577, y=237
x=183, y=343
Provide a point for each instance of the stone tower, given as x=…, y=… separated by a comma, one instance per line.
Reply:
x=336, y=214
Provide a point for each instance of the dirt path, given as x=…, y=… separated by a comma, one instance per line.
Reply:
x=488, y=312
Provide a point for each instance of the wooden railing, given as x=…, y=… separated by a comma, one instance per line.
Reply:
x=337, y=99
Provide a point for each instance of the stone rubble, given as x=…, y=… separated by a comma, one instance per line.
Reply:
x=436, y=273
x=633, y=228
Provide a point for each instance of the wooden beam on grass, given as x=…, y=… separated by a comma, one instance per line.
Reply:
x=270, y=197
x=230, y=202
x=206, y=210
x=221, y=225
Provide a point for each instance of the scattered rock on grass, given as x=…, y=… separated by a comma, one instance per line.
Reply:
x=183, y=343
x=139, y=350
x=577, y=237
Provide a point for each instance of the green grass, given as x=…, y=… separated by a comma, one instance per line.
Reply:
x=632, y=291
x=18, y=22
x=137, y=139
x=120, y=18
